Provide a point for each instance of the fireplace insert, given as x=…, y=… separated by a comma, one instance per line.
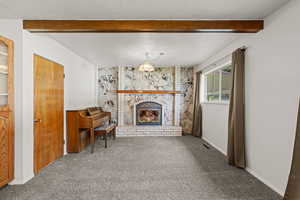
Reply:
x=148, y=113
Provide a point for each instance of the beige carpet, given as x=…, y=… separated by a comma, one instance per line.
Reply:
x=142, y=168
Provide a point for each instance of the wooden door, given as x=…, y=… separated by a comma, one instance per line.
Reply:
x=6, y=112
x=48, y=112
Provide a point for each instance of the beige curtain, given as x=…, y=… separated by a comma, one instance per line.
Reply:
x=293, y=188
x=197, y=115
x=236, y=120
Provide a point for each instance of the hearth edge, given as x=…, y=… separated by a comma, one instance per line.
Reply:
x=127, y=131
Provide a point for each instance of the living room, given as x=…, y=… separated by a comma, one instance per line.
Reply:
x=198, y=106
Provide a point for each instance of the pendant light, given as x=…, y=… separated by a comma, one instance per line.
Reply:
x=146, y=66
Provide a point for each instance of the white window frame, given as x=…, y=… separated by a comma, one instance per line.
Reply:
x=204, y=83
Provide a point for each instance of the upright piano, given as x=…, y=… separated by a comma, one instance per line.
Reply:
x=81, y=125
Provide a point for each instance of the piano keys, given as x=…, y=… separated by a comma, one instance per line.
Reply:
x=81, y=125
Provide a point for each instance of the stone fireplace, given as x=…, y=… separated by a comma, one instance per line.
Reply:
x=148, y=113
x=177, y=109
x=144, y=113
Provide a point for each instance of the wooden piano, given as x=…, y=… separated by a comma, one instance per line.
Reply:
x=81, y=125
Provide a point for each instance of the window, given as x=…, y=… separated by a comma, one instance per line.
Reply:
x=217, y=84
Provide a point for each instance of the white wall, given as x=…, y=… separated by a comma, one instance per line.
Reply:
x=79, y=85
x=12, y=30
x=272, y=95
x=215, y=125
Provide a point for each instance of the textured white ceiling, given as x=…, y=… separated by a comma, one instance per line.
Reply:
x=129, y=48
x=138, y=9
x=112, y=49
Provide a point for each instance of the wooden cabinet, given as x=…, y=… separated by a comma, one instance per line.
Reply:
x=6, y=112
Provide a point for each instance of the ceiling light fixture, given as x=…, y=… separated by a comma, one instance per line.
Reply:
x=146, y=66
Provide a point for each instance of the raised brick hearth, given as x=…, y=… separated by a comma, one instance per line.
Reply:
x=149, y=130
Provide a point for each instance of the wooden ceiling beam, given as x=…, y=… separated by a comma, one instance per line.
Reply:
x=162, y=26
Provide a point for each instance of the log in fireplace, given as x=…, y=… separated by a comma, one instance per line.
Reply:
x=148, y=114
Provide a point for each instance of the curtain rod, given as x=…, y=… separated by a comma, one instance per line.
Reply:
x=244, y=48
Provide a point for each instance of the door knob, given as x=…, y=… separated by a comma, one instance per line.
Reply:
x=37, y=120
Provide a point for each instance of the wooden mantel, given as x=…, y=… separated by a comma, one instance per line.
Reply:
x=148, y=91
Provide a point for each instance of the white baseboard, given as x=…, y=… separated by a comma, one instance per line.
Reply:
x=256, y=175
x=16, y=182
x=249, y=170
x=19, y=181
x=214, y=146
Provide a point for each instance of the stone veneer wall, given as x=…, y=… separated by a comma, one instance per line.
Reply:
x=186, y=111
x=107, y=82
x=161, y=79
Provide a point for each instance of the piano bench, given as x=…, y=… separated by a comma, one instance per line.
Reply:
x=106, y=129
